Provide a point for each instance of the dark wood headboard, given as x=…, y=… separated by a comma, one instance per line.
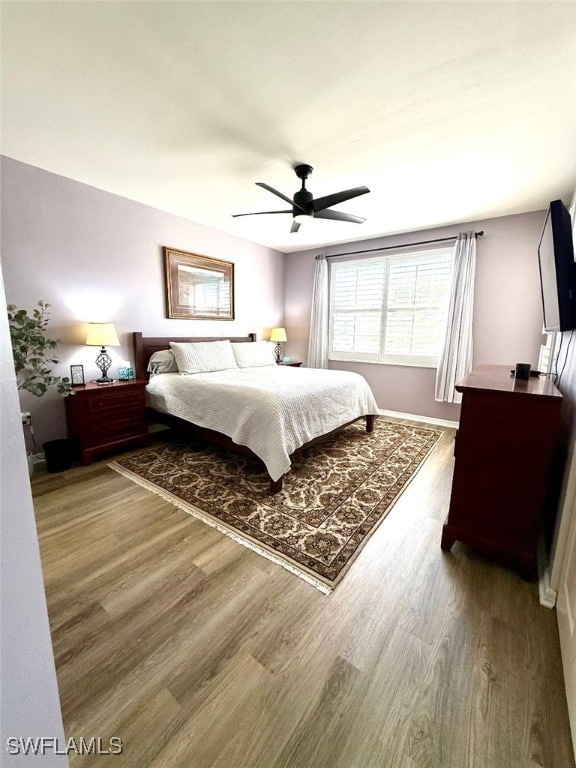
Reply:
x=145, y=346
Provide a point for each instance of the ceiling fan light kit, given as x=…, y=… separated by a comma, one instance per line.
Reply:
x=305, y=207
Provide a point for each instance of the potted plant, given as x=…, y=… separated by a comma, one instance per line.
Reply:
x=33, y=353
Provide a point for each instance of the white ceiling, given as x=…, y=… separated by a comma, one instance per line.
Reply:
x=447, y=111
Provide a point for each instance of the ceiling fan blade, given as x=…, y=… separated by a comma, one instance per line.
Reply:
x=295, y=226
x=258, y=213
x=338, y=216
x=278, y=194
x=338, y=197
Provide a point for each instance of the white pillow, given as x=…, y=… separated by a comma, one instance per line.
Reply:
x=254, y=354
x=203, y=356
x=162, y=362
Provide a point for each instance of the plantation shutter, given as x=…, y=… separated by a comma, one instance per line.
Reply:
x=390, y=310
x=357, y=309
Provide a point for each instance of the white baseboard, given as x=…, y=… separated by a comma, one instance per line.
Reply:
x=416, y=417
x=547, y=594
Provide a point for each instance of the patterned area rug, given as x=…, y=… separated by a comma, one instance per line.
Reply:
x=335, y=496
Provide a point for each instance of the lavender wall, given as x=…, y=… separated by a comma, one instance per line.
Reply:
x=98, y=257
x=507, y=309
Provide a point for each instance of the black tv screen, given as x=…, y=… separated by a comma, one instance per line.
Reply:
x=557, y=270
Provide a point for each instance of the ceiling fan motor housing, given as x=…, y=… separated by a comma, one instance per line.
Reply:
x=303, y=199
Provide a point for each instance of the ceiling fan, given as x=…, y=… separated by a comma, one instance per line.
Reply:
x=305, y=206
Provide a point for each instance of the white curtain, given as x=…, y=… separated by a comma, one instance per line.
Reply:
x=318, y=344
x=456, y=357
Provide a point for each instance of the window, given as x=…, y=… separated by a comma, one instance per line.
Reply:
x=390, y=309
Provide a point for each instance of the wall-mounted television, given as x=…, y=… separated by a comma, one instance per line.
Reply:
x=557, y=270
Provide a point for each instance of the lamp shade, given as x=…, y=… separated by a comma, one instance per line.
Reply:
x=278, y=334
x=102, y=335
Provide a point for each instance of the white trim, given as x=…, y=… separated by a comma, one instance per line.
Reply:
x=547, y=595
x=571, y=618
x=418, y=417
x=405, y=363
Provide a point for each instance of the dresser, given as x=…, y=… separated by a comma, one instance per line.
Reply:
x=105, y=417
x=505, y=445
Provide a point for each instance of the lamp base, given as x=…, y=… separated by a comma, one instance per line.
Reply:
x=278, y=351
x=104, y=361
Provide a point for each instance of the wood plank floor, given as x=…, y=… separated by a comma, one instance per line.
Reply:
x=198, y=653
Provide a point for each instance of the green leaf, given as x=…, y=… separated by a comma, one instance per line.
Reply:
x=30, y=348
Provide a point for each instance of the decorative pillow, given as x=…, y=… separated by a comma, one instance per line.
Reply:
x=203, y=356
x=162, y=362
x=254, y=354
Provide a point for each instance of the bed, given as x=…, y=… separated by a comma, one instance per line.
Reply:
x=250, y=404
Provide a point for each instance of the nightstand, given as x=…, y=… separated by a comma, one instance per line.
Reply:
x=103, y=417
x=292, y=363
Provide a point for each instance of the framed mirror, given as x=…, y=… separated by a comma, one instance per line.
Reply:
x=198, y=287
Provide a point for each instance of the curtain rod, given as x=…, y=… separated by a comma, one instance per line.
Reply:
x=404, y=245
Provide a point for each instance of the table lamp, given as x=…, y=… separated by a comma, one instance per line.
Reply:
x=278, y=335
x=102, y=335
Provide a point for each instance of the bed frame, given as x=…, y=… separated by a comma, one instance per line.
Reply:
x=144, y=348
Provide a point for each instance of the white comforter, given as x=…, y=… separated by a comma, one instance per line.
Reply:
x=273, y=409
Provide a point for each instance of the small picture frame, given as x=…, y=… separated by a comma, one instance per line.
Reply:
x=77, y=375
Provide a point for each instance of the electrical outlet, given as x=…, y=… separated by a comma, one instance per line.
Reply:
x=26, y=417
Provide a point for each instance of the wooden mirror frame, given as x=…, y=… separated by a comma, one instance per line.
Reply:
x=175, y=307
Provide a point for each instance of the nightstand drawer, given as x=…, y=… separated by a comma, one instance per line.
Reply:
x=107, y=432
x=131, y=420
x=117, y=401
